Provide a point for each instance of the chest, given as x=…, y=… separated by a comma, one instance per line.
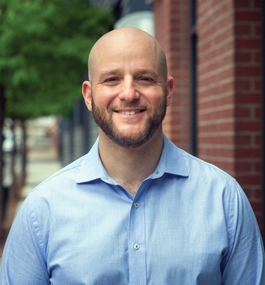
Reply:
x=151, y=240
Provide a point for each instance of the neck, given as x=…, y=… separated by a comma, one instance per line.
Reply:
x=130, y=166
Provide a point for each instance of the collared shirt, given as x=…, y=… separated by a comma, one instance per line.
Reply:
x=189, y=223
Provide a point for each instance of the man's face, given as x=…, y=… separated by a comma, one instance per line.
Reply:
x=128, y=92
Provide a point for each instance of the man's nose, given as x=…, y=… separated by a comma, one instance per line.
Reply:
x=128, y=91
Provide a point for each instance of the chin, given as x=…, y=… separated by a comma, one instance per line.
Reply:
x=131, y=140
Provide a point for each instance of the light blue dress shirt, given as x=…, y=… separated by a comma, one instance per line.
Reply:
x=189, y=223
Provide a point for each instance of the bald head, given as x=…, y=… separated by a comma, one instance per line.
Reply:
x=124, y=40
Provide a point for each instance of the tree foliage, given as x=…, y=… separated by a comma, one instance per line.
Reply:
x=43, y=53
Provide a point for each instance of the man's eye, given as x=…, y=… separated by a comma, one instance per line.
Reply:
x=112, y=79
x=146, y=79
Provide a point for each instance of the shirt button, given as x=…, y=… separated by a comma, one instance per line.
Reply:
x=136, y=246
x=136, y=205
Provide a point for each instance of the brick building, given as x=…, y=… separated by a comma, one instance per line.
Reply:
x=214, y=50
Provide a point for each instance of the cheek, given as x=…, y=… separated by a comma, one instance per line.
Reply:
x=157, y=100
x=102, y=106
x=104, y=98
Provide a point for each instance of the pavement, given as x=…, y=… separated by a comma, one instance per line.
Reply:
x=42, y=163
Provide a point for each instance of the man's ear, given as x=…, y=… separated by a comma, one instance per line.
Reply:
x=169, y=89
x=86, y=90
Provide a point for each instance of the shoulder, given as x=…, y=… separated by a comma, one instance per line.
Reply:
x=222, y=189
x=196, y=169
x=46, y=201
x=208, y=181
x=214, y=181
x=199, y=167
x=57, y=184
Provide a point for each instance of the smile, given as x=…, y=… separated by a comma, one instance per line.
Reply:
x=130, y=112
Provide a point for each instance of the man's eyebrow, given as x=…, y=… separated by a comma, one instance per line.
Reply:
x=109, y=71
x=146, y=71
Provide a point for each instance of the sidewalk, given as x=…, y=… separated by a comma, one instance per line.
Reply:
x=42, y=162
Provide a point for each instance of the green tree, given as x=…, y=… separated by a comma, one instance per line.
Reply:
x=43, y=54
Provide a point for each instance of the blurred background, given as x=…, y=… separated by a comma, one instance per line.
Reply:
x=215, y=52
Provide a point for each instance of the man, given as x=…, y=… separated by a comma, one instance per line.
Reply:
x=136, y=209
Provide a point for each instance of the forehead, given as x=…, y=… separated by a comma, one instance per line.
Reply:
x=127, y=57
x=124, y=52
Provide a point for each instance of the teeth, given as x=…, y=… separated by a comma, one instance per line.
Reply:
x=129, y=112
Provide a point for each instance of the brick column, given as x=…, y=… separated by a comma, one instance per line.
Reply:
x=216, y=78
x=229, y=91
x=248, y=99
x=172, y=31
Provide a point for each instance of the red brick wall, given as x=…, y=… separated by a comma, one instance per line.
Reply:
x=229, y=91
x=248, y=99
x=172, y=31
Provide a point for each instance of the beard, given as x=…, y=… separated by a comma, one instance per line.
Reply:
x=134, y=140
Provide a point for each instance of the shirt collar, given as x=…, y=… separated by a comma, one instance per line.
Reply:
x=91, y=167
x=171, y=161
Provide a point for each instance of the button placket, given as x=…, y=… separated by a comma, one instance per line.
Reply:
x=136, y=240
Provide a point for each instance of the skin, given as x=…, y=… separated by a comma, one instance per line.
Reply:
x=128, y=93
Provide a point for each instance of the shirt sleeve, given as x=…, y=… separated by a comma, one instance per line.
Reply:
x=243, y=263
x=23, y=261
